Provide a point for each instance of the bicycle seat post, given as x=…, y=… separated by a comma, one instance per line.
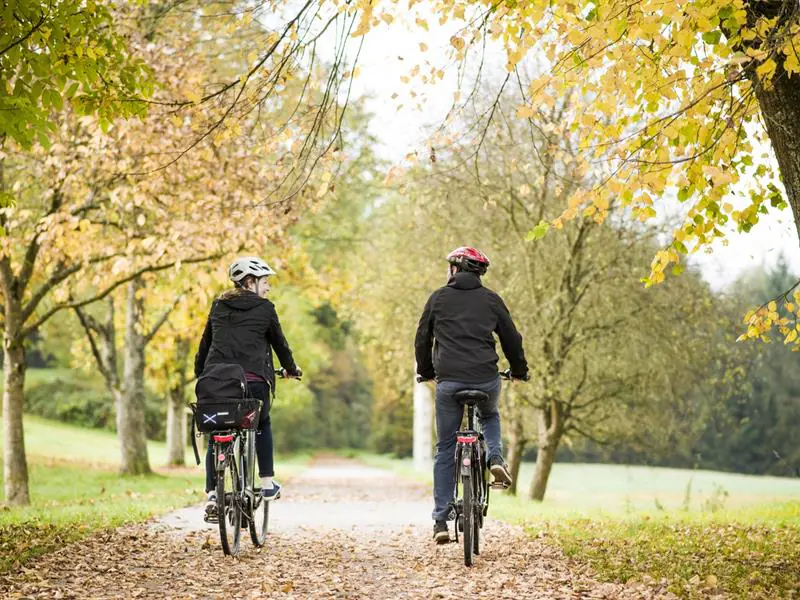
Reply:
x=471, y=417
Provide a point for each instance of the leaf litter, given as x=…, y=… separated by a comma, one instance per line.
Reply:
x=331, y=557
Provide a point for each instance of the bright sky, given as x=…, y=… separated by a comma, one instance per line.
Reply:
x=391, y=52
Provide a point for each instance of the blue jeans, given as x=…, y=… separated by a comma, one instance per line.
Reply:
x=255, y=389
x=449, y=414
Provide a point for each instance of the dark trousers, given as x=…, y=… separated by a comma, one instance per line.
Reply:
x=266, y=468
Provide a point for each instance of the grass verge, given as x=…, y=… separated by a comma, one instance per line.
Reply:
x=71, y=500
x=752, y=554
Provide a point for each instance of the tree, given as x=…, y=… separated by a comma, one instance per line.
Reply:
x=64, y=52
x=125, y=378
x=144, y=222
x=680, y=99
x=574, y=296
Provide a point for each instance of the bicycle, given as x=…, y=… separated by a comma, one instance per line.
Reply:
x=471, y=472
x=238, y=500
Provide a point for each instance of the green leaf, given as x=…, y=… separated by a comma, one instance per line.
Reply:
x=538, y=232
x=44, y=140
x=712, y=37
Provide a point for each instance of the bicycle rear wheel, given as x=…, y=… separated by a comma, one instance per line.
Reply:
x=229, y=508
x=468, y=516
x=476, y=529
x=260, y=521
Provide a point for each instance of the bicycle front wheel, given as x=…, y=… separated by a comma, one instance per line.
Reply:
x=260, y=521
x=229, y=508
x=468, y=517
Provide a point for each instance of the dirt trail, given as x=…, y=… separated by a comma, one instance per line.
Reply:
x=342, y=530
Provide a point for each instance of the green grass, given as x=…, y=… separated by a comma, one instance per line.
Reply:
x=749, y=553
x=620, y=488
x=53, y=440
x=75, y=490
x=701, y=531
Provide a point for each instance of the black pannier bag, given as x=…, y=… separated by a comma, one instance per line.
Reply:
x=222, y=401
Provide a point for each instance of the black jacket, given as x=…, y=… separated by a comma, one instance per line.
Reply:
x=461, y=317
x=243, y=329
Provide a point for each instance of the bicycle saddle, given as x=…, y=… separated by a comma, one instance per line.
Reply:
x=470, y=397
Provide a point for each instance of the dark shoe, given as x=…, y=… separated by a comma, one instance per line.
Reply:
x=440, y=533
x=211, y=511
x=272, y=494
x=500, y=471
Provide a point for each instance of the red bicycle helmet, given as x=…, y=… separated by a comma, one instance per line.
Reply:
x=469, y=259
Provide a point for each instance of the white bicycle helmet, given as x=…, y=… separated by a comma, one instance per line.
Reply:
x=248, y=265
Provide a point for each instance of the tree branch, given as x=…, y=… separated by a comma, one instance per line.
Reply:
x=35, y=28
x=163, y=319
x=100, y=295
x=89, y=326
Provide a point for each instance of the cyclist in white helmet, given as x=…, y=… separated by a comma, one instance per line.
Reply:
x=243, y=328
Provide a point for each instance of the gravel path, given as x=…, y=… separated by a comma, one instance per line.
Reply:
x=341, y=530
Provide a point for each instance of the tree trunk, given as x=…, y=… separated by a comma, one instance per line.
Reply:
x=550, y=429
x=15, y=466
x=176, y=428
x=780, y=103
x=130, y=407
x=516, y=447
x=781, y=108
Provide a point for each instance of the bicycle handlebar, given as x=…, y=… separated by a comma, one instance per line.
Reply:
x=503, y=375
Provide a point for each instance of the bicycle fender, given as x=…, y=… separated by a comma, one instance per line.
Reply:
x=466, y=466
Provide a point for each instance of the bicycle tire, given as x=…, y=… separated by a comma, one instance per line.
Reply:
x=229, y=508
x=260, y=521
x=477, y=523
x=468, y=516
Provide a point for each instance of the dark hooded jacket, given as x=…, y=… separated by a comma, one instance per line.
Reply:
x=462, y=317
x=243, y=329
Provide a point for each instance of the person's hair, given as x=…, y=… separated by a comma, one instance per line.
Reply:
x=246, y=281
x=239, y=288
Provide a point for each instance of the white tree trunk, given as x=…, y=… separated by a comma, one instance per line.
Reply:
x=423, y=426
x=176, y=429
x=130, y=406
x=15, y=466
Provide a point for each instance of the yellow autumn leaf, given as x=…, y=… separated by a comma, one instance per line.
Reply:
x=766, y=69
x=524, y=112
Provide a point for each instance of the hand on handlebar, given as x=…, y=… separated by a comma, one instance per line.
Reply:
x=284, y=374
x=509, y=376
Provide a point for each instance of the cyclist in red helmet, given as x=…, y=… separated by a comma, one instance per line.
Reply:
x=455, y=345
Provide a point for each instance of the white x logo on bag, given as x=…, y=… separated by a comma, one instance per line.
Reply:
x=210, y=419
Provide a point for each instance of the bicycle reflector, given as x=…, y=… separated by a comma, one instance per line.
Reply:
x=467, y=439
x=223, y=438
x=467, y=462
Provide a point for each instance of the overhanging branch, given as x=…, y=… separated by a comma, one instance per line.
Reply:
x=105, y=292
